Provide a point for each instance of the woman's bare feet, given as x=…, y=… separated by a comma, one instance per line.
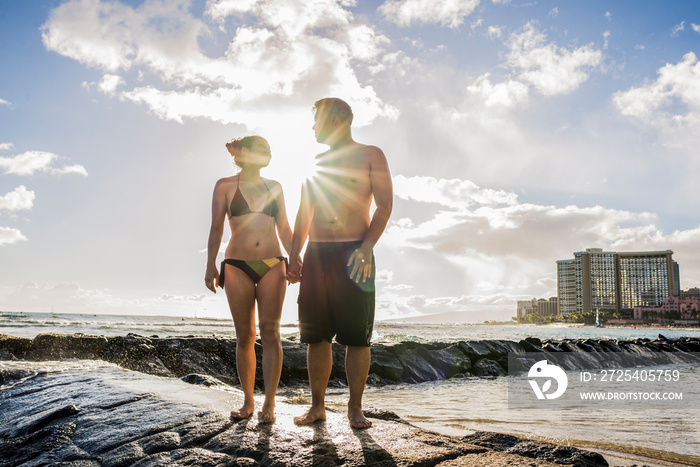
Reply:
x=357, y=419
x=244, y=412
x=267, y=414
x=310, y=416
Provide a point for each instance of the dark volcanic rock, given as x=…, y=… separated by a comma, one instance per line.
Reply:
x=47, y=419
x=16, y=346
x=149, y=365
x=385, y=364
x=416, y=368
x=486, y=367
x=536, y=450
x=202, y=380
x=405, y=362
x=449, y=362
x=7, y=355
x=294, y=361
x=174, y=423
x=192, y=361
x=125, y=349
x=475, y=350
x=64, y=346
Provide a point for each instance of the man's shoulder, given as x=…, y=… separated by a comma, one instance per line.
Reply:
x=373, y=151
x=370, y=155
x=367, y=148
x=351, y=151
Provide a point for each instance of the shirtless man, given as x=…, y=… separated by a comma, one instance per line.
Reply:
x=336, y=295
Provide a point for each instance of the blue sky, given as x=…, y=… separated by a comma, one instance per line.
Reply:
x=517, y=133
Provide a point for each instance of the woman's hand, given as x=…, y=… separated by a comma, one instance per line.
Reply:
x=211, y=278
x=294, y=270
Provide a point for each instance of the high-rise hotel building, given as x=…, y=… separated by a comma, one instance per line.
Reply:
x=615, y=281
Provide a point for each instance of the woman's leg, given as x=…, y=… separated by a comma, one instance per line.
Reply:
x=270, y=296
x=240, y=291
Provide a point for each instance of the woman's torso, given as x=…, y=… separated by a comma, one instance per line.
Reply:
x=252, y=207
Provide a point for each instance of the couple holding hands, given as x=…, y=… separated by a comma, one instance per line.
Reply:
x=336, y=293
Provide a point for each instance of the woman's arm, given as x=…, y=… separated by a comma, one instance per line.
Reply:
x=283, y=229
x=216, y=232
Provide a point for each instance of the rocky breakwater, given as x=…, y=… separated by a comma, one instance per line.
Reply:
x=112, y=417
x=406, y=362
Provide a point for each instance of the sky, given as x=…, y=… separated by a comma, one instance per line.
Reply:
x=517, y=133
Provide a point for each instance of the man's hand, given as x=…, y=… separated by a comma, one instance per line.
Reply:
x=361, y=262
x=294, y=270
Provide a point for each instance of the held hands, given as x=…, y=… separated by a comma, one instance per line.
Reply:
x=211, y=278
x=361, y=262
x=294, y=270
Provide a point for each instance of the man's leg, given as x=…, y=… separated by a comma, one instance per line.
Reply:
x=357, y=361
x=319, y=360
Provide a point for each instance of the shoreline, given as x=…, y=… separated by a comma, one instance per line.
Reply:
x=404, y=363
x=108, y=422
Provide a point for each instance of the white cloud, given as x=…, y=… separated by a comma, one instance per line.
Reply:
x=17, y=199
x=110, y=83
x=71, y=169
x=285, y=57
x=72, y=297
x=30, y=162
x=550, y=69
x=454, y=193
x=678, y=28
x=450, y=13
x=497, y=249
x=183, y=298
x=9, y=236
x=220, y=10
x=505, y=94
x=65, y=296
x=5, y=146
x=653, y=102
x=696, y=27
x=5, y=103
x=494, y=31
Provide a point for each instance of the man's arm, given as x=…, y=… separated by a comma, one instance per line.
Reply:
x=302, y=224
x=383, y=192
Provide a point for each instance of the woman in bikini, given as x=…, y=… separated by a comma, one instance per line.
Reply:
x=253, y=270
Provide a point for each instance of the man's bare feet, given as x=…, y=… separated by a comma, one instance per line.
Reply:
x=267, y=414
x=312, y=415
x=357, y=419
x=243, y=413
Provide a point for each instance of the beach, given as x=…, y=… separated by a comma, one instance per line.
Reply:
x=448, y=404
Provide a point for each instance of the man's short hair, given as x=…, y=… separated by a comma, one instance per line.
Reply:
x=334, y=106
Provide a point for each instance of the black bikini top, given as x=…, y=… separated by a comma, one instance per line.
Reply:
x=239, y=206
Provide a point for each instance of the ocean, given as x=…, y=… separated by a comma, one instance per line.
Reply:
x=457, y=406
